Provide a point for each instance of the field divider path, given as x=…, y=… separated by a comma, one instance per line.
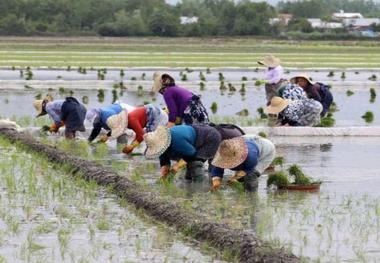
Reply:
x=242, y=244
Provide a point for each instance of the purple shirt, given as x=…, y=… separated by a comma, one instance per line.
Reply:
x=176, y=99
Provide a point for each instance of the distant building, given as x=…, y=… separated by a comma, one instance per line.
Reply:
x=187, y=20
x=318, y=23
x=282, y=19
x=341, y=15
x=361, y=22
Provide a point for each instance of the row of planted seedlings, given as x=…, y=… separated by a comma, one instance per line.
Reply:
x=234, y=244
x=46, y=215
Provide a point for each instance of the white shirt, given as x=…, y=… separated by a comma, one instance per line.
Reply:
x=274, y=75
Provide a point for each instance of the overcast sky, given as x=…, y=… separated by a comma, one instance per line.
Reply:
x=272, y=2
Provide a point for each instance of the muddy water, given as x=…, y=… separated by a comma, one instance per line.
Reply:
x=341, y=222
x=13, y=92
x=45, y=216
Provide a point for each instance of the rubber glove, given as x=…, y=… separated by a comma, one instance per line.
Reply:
x=129, y=148
x=216, y=184
x=178, y=166
x=103, y=138
x=165, y=170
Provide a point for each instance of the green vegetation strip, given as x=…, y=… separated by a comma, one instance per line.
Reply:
x=184, y=52
x=244, y=246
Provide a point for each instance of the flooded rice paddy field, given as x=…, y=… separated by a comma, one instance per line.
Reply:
x=16, y=90
x=46, y=216
x=339, y=223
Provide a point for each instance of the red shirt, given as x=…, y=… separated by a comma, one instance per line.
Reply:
x=137, y=121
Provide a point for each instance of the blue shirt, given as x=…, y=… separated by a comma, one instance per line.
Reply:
x=182, y=144
x=247, y=166
x=105, y=113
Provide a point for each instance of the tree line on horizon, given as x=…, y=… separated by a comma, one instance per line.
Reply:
x=157, y=18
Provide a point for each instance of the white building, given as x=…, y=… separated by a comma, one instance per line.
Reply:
x=342, y=15
x=361, y=22
x=318, y=23
x=187, y=20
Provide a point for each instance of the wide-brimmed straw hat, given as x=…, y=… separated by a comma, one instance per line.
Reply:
x=303, y=75
x=277, y=104
x=157, y=142
x=118, y=124
x=39, y=105
x=231, y=153
x=270, y=61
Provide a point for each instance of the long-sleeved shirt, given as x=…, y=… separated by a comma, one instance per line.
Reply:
x=274, y=75
x=53, y=109
x=137, y=120
x=101, y=122
x=247, y=166
x=176, y=99
x=182, y=146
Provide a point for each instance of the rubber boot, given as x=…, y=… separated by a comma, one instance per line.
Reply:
x=251, y=181
x=195, y=171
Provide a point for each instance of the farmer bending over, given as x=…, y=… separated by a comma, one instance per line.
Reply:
x=189, y=145
x=316, y=91
x=248, y=157
x=305, y=112
x=183, y=105
x=68, y=112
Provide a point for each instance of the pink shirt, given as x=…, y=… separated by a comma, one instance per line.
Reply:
x=274, y=75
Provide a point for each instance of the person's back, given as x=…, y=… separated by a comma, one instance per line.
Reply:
x=108, y=111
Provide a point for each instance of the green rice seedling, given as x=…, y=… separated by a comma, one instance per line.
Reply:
x=101, y=75
x=28, y=75
x=121, y=85
x=259, y=83
x=59, y=77
x=221, y=77
x=327, y=121
x=140, y=91
x=202, y=86
x=331, y=74
x=6, y=101
x=242, y=89
x=21, y=73
x=115, y=86
x=63, y=239
x=244, y=78
x=100, y=95
x=115, y=96
x=143, y=75
x=214, y=107
x=279, y=179
x=28, y=87
x=299, y=177
x=71, y=92
x=372, y=92
x=349, y=93
x=343, y=76
x=188, y=70
x=68, y=68
x=31, y=245
x=231, y=88
x=133, y=78
x=256, y=70
x=356, y=72
x=243, y=112
x=61, y=90
x=102, y=223
x=373, y=77
x=222, y=87
x=263, y=134
x=368, y=116
x=13, y=68
x=85, y=100
x=279, y=160
x=184, y=77
x=38, y=96
x=122, y=74
x=202, y=76
x=261, y=113
x=333, y=107
x=208, y=71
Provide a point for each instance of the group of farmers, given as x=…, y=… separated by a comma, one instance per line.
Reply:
x=183, y=133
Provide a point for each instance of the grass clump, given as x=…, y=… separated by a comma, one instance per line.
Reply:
x=292, y=176
x=214, y=107
x=368, y=117
x=349, y=93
